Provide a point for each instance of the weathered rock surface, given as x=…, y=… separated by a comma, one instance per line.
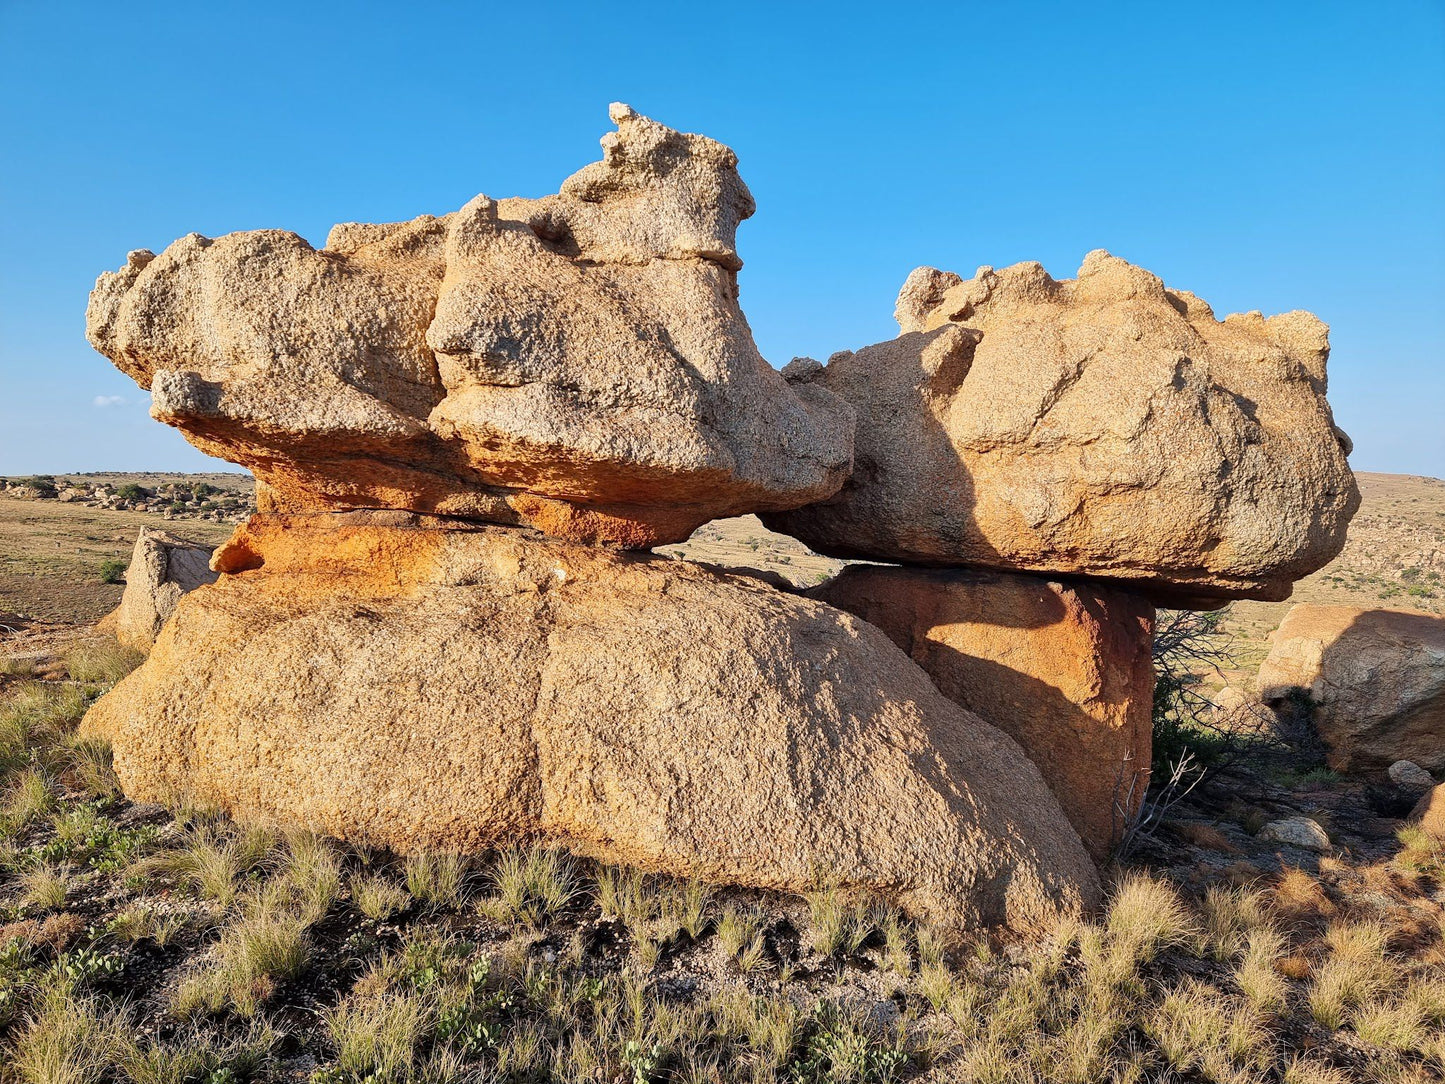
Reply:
x=1410, y=776
x=1063, y=669
x=1105, y=427
x=398, y=684
x=163, y=567
x=577, y=362
x=1429, y=811
x=1373, y=681
x=1299, y=832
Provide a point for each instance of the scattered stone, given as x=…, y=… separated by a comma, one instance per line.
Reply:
x=1065, y=670
x=411, y=683
x=1297, y=832
x=1372, y=681
x=163, y=567
x=1104, y=427
x=1411, y=776
x=578, y=363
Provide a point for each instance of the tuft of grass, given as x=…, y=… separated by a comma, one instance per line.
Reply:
x=532, y=886
x=1198, y=1029
x=43, y=889
x=1356, y=971
x=437, y=879
x=69, y=1040
x=840, y=924
x=740, y=934
x=1147, y=916
x=101, y=662
x=311, y=875
x=1230, y=915
x=139, y=922
x=378, y=1039
x=89, y=763
x=260, y=950
x=378, y=898
x=31, y=795
x=1258, y=975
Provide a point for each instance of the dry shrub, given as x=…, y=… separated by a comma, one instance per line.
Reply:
x=1205, y=836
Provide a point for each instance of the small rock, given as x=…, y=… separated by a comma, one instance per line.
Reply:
x=1408, y=774
x=1297, y=832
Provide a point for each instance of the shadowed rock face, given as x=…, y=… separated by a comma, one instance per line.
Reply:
x=1373, y=682
x=577, y=362
x=1063, y=669
x=1104, y=427
x=406, y=682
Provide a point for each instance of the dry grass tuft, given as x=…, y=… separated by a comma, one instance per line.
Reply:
x=101, y=662
x=532, y=886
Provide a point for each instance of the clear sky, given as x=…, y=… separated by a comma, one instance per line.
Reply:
x=1268, y=156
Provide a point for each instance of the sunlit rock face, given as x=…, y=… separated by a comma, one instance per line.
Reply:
x=1104, y=426
x=578, y=362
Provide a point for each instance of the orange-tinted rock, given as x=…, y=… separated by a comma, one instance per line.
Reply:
x=1429, y=811
x=578, y=363
x=418, y=683
x=1064, y=669
x=1372, y=680
x=1105, y=427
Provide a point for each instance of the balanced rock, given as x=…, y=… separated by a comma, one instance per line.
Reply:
x=1373, y=682
x=397, y=683
x=1104, y=427
x=1065, y=670
x=163, y=567
x=577, y=362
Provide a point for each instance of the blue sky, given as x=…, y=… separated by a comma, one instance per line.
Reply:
x=1271, y=156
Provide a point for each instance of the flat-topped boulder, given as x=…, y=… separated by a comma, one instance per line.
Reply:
x=1105, y=427
x=421, y=684
x=578, y=362
x=1372, y=681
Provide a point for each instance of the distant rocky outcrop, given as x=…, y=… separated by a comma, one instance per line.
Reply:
x=1372, y=682
x=577, y=362
x=1063, y=669
x=469, y=687
x=163, y=567
x=1105, y=427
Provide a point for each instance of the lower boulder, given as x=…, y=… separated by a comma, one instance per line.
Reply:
x=1372, y=681
x=414, y=683
x=163, y=567
x=1064, y=669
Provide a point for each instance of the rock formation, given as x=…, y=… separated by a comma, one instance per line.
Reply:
x=392, y=655
x=577, y=362
x=1373, y=682
x=163, y=567
x=1065, y=670
x=1104, y=427
x=414, y=683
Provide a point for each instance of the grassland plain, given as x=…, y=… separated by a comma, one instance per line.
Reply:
x=168, y=944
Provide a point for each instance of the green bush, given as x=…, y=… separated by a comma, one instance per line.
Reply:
x=112, y=571
x=132, y=492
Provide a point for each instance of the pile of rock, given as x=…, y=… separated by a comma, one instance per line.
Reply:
x=440, y=632
x=171, y=500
